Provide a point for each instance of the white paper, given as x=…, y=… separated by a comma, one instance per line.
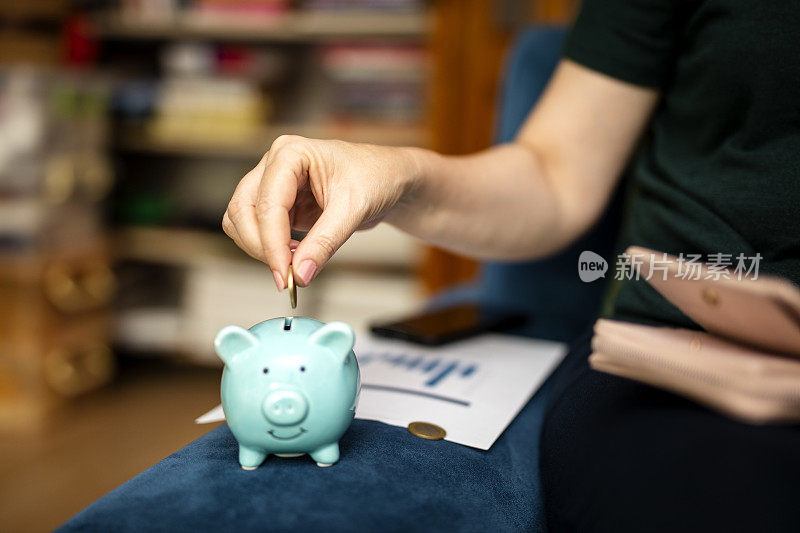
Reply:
x=473, y=388
x=214, y=415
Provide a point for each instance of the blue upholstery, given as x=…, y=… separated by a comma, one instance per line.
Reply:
x=387, y=479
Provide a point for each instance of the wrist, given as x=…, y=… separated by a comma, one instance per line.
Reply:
x=414, y=169
x=415, y=166
x=422, y=165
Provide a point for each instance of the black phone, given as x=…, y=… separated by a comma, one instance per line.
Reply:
x=440, y=326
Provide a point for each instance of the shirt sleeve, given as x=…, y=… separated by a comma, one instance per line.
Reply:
x=631, y=40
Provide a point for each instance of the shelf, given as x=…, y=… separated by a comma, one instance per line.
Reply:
x=298, y=26
x=173, y=246
x=383, y=248
x=136, y=139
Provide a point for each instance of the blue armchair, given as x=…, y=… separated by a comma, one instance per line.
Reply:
x=387, y=479
x=549, y=292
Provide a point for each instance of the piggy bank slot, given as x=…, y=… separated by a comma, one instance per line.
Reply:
x=287, y=323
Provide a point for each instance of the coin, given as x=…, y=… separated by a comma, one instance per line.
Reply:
x=292, y=288
x=426, y=430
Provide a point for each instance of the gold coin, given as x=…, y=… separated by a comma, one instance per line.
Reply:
x=426, y=430
x=292, y=288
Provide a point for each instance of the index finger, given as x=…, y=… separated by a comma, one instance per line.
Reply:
x=284, y=174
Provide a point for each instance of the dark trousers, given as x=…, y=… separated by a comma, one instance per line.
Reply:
x=617, y=455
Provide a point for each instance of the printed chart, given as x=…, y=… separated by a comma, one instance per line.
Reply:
x=473, y=388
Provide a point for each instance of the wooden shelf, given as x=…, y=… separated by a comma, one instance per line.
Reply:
x=33, y=10
x=137, y=139
x=297, y=26
x=384, y=248
x=173, y=246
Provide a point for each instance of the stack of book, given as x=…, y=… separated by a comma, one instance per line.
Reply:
x=364, y=5
x=236, y=10
x=211, y=11
x=222, y=110
x=376, y=83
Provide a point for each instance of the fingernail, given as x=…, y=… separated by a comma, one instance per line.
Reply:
x=306, y=271
x=278, y=280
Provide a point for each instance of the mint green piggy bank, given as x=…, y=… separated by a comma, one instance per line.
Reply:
x=290, y=387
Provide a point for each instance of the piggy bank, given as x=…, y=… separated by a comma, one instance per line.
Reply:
x=289, y=387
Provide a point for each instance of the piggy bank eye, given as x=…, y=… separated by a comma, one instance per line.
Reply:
x=302, y=369
x=266, y=370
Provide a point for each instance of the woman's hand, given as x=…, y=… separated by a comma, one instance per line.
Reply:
x=522, y=200
x=328, y=188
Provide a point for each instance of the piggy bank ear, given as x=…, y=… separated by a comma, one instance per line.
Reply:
x=231, y=341
x=338, y=337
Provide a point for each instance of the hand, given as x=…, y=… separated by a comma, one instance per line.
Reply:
x=325, y=187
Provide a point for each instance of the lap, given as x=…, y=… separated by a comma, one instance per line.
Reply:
x=618, y=455
x=386, y=480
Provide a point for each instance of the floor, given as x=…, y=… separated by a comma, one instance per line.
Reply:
x=100, y=441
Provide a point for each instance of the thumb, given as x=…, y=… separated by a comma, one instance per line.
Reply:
x=334, y=226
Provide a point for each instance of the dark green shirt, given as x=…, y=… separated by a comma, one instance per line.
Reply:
x=718, y=170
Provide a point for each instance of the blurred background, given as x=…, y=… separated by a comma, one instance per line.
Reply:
x=124, y=128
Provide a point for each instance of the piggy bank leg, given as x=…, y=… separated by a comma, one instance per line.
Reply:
x=327, y=455
x=250, y=458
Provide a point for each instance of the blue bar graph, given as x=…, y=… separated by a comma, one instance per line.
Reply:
x=469, y=371
x=430, y=365
x=441, y=375
x=438, y=369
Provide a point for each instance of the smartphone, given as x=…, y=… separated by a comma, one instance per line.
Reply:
x=440, y=326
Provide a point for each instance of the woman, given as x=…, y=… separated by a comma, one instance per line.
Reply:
x=698, y=98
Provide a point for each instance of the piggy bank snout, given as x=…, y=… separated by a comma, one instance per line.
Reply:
x=285, y=407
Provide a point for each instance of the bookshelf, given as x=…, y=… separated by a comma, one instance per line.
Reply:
x=134, y=139
x=327, y=56
x=287, y=27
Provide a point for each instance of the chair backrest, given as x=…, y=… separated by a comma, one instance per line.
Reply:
x=561, y=305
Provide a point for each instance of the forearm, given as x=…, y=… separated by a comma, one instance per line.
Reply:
x=532, y=197
x=499, y=203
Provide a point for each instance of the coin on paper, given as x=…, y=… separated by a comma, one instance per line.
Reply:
x=426, y=430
